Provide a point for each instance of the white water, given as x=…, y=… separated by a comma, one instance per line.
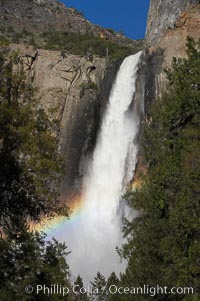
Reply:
x=97, y=232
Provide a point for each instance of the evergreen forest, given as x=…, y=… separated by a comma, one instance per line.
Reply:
x=163, y=240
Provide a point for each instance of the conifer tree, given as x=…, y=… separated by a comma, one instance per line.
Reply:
x=113, y=285
x=29, y=177
x=163, y=245
x=80, y=294
x=98, y=288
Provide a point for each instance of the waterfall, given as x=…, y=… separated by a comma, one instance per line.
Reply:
x=97, y=231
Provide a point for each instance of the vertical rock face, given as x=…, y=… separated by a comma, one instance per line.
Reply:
x=67, y=87
x=169, y=24
x=163, y=15
x=74, y=89
x=170, y=43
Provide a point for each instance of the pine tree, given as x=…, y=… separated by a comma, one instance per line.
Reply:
x=29, y=177
x=81, y=294
x=113, y=283
x=30, y=163
x=164, y=240
x=98, y=288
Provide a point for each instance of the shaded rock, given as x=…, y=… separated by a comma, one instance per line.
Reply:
x=59, y=81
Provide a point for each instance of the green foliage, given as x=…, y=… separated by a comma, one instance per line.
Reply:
x=101, y=288
x=30, y=169
x=113, y=281
x=164, y=239
x=87, y=86
x=10, y=29
x=23, y=36
x=2, y=29
x=98, y=288
x=111, y=30
x=81, y=44
x=10, y=35
x=4, y=40
x=80, y=294
x=29, y=179
x=28, y=260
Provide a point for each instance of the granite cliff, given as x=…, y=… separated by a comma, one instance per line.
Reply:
x=73, y=83
x=67, y=88
x=169, y=24
x=163, y=16
x=168, y=27
x=73, y=80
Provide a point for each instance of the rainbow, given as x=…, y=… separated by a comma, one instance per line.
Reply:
x=56, y=225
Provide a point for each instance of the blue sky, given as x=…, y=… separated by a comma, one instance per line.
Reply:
x=128, y=16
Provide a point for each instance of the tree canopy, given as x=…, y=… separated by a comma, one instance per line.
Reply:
x=163, y=245
x=29, y=179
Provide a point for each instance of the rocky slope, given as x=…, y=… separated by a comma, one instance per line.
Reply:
x=37, y=16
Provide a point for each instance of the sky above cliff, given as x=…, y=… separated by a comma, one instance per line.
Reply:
x=128, y=16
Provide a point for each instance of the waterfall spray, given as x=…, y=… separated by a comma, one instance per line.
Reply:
x=97, y=231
